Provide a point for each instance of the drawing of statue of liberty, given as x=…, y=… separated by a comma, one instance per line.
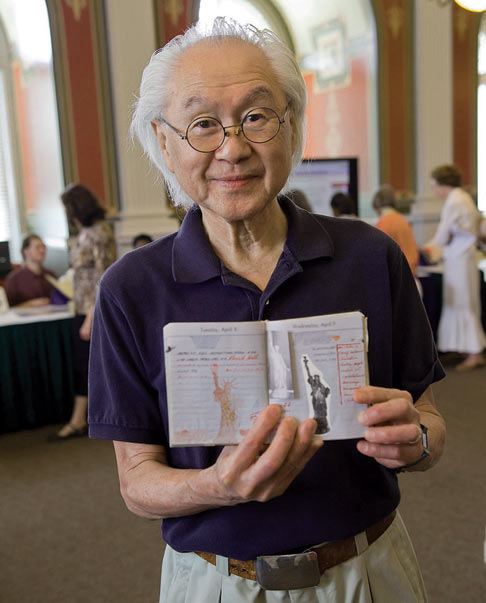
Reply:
x=222, y=395
x=319, y=395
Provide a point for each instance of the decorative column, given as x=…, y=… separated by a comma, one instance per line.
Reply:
x=173, y=17
x=143, y=201
x=433, y=108
x=84, y=96
x=465, y=31
x=394, y=25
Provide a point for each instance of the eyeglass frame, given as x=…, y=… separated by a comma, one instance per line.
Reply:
x=281, y=121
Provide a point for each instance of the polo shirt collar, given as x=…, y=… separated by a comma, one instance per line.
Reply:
x=307, y=237
x=194, y=261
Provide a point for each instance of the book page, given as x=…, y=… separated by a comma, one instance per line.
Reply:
x=216, y=380
x=325, y=362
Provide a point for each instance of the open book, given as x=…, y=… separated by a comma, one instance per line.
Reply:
x=220, y=375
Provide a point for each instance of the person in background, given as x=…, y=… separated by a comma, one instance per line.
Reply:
x=140, y=240
x=343, y=206
x=300, y=199
x=91, y=252
x=460, y=328
x=393, y=223
x=226, y=134
x=28, y=286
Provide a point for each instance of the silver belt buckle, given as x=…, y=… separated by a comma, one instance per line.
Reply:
x=287, y=572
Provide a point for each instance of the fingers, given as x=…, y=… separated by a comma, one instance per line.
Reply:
x=392, y=445
x=259, y=433
x=303, y=449
x=396, y=410
x=393, y=436
x=289, y=451
x=400, y=434
x=281, y=471
x=374, y=395
x=234, y=461
x=391, y=455
x=246, y=472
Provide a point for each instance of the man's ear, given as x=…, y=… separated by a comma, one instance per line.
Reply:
x=162, y=140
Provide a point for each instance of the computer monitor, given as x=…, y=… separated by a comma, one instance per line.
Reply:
x=5, y=265
x=320, y=179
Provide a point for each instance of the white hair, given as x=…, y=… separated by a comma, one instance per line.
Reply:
x=155, y=88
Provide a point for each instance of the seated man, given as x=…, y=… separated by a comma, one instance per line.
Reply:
x=28, y=286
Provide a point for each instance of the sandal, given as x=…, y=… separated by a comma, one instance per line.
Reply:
x=74, y=433
x=469, y=366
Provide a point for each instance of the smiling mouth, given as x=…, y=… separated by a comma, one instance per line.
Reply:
x=234, y=181
x=234, y=178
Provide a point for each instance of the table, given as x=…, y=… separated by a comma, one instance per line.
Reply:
x=36, y=373
x=430, y=278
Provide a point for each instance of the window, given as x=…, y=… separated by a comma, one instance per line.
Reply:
x=31, y=163
x=260, y=13
x=9, y=219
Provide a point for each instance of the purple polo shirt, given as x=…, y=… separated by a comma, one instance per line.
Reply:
x=328, y=265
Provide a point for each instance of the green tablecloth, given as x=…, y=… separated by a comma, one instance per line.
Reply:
x=36, y=374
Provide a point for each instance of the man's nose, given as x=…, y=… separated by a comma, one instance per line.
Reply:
x=235, y=146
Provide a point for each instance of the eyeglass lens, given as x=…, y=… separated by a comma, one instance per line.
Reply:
x=259, y=125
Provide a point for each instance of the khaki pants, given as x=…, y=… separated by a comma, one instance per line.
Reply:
x=385, y=572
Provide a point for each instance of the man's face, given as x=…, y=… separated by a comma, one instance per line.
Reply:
x=36, y=251
x=225, y=81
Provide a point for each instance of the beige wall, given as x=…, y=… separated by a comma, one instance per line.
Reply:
x=131, y=39
x=433, y=108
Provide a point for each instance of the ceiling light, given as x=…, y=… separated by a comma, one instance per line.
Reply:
x=474, y=5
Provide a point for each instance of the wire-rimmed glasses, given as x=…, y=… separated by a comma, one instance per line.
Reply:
x=206, y=134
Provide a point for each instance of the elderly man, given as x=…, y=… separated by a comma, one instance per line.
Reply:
x=222, y=115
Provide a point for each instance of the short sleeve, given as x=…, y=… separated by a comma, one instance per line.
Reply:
x=123, y=405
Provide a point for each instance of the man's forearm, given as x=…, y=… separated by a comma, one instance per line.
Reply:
x=154, y=490
x=251, y=471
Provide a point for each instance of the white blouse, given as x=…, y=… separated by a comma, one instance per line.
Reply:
x=459, y=222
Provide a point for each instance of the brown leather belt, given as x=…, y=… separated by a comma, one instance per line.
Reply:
x=328, y=555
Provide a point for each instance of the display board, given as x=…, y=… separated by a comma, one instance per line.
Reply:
x=320, y=179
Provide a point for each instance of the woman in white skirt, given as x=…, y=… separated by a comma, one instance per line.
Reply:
x=460, y=328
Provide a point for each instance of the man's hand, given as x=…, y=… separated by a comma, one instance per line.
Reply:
x=37, y=302
x=250, y=471
x=394, y=437
x=254, y=471
x=87, y=326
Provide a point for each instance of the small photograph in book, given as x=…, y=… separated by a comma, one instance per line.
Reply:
x=221, y=375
